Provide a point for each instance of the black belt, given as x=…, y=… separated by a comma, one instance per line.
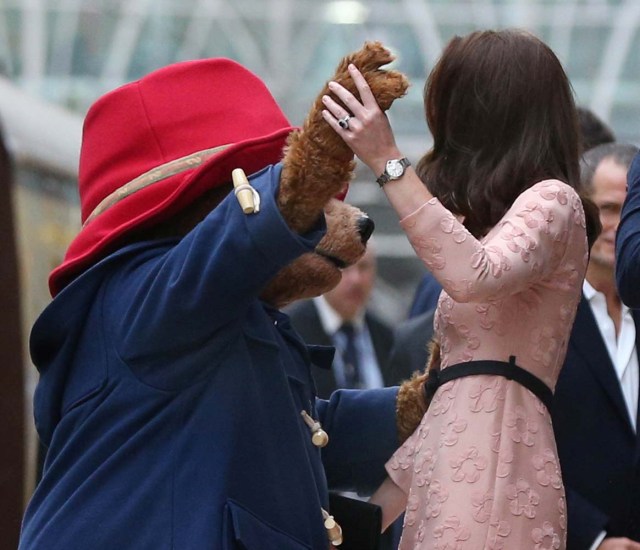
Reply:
x=509, y=370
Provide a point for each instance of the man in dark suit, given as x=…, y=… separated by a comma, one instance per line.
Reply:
x=426, y=295
x=410, y=350
x=595, y=412
x=340, y=318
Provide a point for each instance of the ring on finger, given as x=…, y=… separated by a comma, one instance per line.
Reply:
x=344, y=122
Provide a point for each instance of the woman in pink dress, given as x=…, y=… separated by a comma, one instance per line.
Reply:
x=502, y=227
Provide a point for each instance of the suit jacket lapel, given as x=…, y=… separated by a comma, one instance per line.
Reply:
x=593, y=352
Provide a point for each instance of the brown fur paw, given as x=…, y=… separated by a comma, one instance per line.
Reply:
x=387, y=85
x=410, y=405
x=412, y=401
x=317, y=163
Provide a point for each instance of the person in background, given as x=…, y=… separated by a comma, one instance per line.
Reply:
x=426, y=296
x=593, y=130
x=595, y=410
x=628, y=241
x=411, y=338
x=341, y=318
x=502, y=226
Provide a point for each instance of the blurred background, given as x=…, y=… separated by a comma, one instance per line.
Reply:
x=58, y=56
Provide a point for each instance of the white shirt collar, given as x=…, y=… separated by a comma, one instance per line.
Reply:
x=330, y=319
x=588, y=290
x=622, y=350
x=590, y=293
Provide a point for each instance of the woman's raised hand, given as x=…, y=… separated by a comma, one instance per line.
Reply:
x=362, y=125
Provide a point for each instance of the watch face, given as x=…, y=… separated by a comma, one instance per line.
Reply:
x=394, y=168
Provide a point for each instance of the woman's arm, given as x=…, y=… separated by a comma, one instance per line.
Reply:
x=391, y=499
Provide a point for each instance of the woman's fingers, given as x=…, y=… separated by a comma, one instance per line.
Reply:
x=366, y=95
x=363, y=126
x=333, y=121
x=364, y=110
x=337, y=116
x=335, y=108
x=347, y=98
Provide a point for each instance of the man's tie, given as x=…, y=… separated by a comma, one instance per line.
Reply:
x=350, y=357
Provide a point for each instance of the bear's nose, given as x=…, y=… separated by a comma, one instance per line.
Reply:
x=365, y=228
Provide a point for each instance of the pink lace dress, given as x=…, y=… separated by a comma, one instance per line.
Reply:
x=481, y=471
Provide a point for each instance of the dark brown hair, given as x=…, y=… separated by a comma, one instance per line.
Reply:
x=593, y=130
x=501, y=111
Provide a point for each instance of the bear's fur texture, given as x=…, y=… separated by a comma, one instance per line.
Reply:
x=413, y=401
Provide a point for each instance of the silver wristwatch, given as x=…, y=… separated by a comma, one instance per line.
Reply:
x=393, y=170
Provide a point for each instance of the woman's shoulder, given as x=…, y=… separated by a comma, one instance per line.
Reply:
x=551, y=194
x=552, y=190
x=551, y=200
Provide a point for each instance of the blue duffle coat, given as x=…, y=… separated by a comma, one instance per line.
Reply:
x=170, y=400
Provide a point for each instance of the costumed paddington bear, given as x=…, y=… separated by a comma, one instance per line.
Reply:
x=175, y=399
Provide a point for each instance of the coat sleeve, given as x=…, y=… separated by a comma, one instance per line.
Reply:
x=362, y=437
x=628, y=241
x=183, y=295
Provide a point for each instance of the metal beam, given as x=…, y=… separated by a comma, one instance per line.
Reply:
x=125, y=39
x=612, y=62
x=198, y=30
x=427, y=34
x=33, y=44
x=64, y=34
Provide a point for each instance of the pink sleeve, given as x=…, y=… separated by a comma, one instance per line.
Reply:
x=400, y=465
x=526, y=245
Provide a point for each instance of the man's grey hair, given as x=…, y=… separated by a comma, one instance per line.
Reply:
x=621, y=153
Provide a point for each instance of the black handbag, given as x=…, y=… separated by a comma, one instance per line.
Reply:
x=361, y=522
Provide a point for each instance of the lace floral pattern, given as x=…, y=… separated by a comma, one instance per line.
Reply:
x=482, y=469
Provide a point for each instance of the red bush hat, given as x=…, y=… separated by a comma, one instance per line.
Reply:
x=150, y=147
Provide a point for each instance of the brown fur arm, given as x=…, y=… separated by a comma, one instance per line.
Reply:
x=412, y=401
x=317, y=162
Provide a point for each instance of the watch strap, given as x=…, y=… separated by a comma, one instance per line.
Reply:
x=385, y=177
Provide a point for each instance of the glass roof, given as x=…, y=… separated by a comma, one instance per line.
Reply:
x=71, y=51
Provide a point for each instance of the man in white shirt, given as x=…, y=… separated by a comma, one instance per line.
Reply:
x=595, y=413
